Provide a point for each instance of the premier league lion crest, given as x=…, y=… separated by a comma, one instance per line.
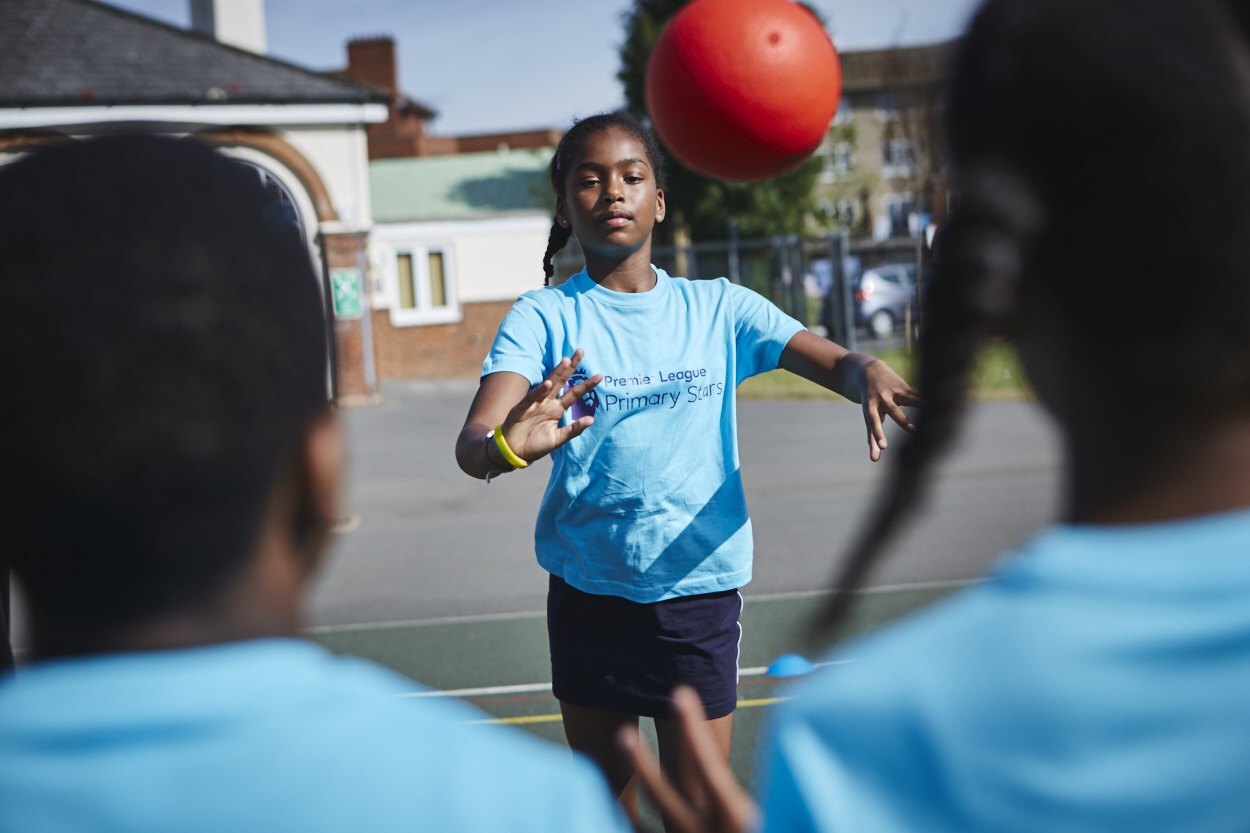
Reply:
x=588, y=403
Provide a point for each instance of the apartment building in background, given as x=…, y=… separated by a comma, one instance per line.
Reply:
x=883, y=165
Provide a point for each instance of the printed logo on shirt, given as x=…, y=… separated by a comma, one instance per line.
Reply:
x=588, y=403
x=657, y=389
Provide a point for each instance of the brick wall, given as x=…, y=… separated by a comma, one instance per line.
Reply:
x=352, y=383
x=515, y=140
x=392, y=145
x=404, y=135
x=372, y=61
x=437, y=351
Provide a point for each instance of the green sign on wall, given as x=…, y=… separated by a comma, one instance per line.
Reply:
x=345, y=289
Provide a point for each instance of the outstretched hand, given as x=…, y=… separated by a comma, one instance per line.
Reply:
x=532, y=429
x=729, y=809
x=861, y=378
x=882, y=393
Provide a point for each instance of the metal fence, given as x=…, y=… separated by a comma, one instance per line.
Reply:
x=810, y=278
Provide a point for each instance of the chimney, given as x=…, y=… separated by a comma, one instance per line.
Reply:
x=372, y=61
x=239, y=23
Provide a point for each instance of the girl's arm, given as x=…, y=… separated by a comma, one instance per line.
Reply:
x=857, y=376
x=529, y=420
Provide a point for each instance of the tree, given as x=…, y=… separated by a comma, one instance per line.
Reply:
x=700, y=207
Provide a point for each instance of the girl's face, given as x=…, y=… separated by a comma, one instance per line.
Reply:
x=610, y=196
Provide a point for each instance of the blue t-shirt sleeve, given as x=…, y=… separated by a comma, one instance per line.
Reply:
x=521, y=343
x=785, y=799
x=761, y=330
x=850, y=771
x=853, y=748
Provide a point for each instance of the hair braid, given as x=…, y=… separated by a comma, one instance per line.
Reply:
x=556, y=240
x=973, y=296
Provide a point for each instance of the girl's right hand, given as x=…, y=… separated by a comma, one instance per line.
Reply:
x=532, y=429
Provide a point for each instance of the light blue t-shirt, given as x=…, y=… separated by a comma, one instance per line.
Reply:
x=275, y=736
x=1098, y=681
x=648, y=503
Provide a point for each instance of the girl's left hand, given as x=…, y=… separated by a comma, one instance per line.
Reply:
x=532, y=428
x=859, y=377
x=883, y=392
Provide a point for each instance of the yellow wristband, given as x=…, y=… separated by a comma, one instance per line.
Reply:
x=508, y=454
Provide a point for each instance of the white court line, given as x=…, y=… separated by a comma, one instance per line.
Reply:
x=436, y=620
x=941, y=584
x=532, y=688
x=484, y=691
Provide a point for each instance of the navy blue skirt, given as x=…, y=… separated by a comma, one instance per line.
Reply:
x=611, y=653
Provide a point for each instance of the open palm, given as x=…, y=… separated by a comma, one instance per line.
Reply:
x=532, y=429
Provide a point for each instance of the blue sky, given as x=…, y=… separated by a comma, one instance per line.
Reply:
x=494, y=65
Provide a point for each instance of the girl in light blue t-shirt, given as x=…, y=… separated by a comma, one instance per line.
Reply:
x=627, y=377
x=1098, y=679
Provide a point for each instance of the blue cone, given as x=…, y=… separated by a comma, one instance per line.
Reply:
x=790, y=665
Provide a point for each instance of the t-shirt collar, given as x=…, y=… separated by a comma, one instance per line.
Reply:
x=587, y=286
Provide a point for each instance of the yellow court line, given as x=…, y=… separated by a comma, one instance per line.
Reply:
x=526, y=720
x=523, y=720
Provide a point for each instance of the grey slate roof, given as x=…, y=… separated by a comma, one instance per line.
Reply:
x=79, y=52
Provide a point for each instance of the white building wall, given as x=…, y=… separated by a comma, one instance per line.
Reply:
x=495, y=259
x=341, y=155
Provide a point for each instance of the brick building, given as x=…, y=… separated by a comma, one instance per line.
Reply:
x=457, y=239
x=78, y=68
x=461, y=226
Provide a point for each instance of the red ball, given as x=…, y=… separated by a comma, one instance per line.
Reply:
x=743, y=90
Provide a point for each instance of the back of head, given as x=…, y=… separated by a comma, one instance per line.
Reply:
x=1124, y=124
x=165, y=351
x=1103, y=184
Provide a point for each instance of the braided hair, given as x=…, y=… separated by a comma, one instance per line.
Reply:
x=1098, y=150
x=570, y=146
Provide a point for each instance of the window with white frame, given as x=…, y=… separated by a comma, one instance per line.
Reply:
x=898, y=157
x=846, y=211
x=837, y=161
x=898, y=211
x=843, y=158
x=423, y=288
x=841, y=212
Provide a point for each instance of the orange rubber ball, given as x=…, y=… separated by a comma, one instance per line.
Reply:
x=743, y=90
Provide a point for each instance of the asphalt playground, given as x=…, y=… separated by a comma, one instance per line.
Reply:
x=432, y=573
x=499, y=662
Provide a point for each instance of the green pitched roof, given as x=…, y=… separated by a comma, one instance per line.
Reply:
x=460, y=187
